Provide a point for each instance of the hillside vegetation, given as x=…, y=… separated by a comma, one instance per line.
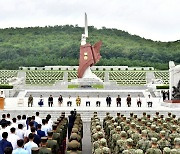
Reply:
x=59, y=45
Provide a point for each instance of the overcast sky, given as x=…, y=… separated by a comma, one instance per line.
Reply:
x=151, y=19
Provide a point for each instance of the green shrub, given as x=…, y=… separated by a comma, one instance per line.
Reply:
x=73, y=86
x=162, y=87
x=4, y=86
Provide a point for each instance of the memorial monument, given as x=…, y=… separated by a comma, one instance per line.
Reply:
x=89, y=56
x=174, y=81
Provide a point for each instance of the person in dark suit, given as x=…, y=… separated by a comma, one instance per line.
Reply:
x=37, y=138
x=4, y=143
x=118, y=101
x=40, y=132
x=71, y=123
x=108, y=100
x=50, y=101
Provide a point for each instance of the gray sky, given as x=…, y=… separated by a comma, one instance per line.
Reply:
x=151, y=19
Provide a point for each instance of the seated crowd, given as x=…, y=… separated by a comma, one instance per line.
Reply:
x=34, y=135
x=135, y=135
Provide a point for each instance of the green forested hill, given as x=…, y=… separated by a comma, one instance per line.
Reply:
x=59, y=45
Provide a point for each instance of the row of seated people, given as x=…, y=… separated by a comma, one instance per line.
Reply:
x=33, y=134
x=98, y=140
x=75, y=133
x=143, y=134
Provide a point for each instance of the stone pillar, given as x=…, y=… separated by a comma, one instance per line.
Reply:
x=65, y=76
x=106, y=76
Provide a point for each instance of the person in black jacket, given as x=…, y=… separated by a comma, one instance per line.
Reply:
x=50, y=101
x=108, y=100
x=4, y=143
x=60, y=100
x=71, y=123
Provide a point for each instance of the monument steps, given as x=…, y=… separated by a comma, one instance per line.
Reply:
x=87, y=113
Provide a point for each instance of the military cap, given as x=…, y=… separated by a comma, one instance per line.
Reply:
x=133, y=125
x=163, y=133
x=148, y=116
x=138, y=127
x=73, y=144
x=100, y=135
x=144, y=132
x=168, y=119
x=161, y=116
x=123, y=134
x=95, y=136
x=118, y=114
x=54, y=126
x=154, y=118
x=128, y=121
x=166, y=150
x=44, y=139
x=177, y=141
x=103, y=142
x=74, y=130
x=98, y=127
x=154, y=140
x=106, y=150
x=174, y=127
x=148, y=124
x=139, y=151
x=35, y=150
x=115, y=124
x=143, y=121
x=118, y=128
x=173, y=151
x=129, y=141
x=165, y=125
x=153, y=127
x=74, y=136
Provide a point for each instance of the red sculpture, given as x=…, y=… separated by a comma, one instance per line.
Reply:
x=89, y=56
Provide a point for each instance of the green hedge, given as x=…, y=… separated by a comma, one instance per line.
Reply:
x=162, y=87
x=4, y=86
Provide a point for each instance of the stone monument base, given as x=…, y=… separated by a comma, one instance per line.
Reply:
x=86, y=82
x=175, y=103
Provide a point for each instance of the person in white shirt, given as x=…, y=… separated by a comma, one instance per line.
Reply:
x=69, y=101
x=8, y=118
x=87, y=101
x=19, y=121
x=139, y=102
x=50, y=122
x=45, y=127
x=13, y=138
x=28, y=146
x=20, y=132
x=149, y=101
x=98, y=101
x=20, y=149
x=14, y=124
x=2, y=94
x=24, y=121
x=38, y=119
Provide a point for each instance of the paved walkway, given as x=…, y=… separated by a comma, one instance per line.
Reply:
x=86, y=142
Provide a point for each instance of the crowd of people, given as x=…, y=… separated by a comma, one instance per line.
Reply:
x=26, y=135
x=136, y=135
x=88, y=101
